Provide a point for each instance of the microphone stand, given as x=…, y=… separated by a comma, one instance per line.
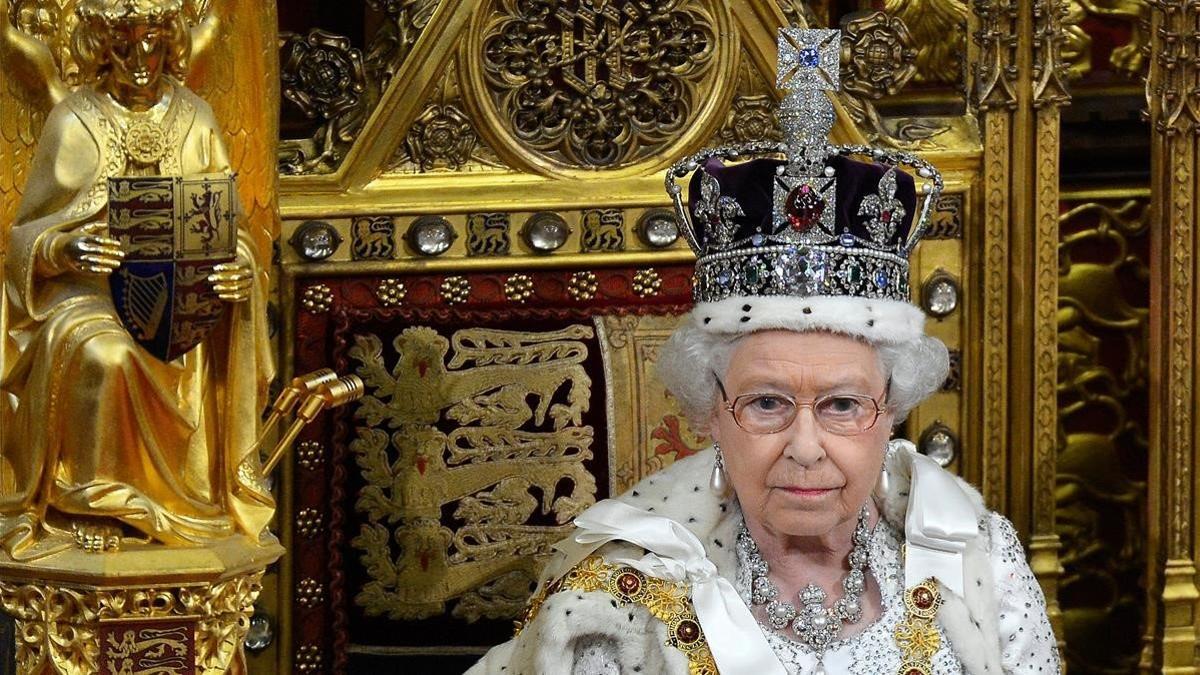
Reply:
x=312, y=393
x=337, y=393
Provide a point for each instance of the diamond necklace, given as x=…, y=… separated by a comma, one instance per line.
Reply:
x=815, y=624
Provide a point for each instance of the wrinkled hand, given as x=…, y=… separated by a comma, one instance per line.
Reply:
x=233, y=281
x=90, y=250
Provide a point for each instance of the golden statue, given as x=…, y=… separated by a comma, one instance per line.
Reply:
x=102, y=440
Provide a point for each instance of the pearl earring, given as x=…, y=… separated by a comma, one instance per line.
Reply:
x=884, y=484
x=718, y=482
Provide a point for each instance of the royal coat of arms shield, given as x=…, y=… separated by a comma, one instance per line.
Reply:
x=174, y=231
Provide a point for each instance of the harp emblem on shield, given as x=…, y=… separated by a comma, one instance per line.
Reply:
x=145, y=303
x=174, y=230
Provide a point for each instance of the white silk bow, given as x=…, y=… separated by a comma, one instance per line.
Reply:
x=939, y=523
x=675, y=554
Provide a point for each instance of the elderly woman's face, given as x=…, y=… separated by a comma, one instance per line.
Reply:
x=803, y=480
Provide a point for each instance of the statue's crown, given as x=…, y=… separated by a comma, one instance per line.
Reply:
x=112, y=11
x=802, y=218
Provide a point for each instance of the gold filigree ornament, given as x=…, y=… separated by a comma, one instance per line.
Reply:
x=646, y=283
x=111, y=11
x=72, y=629
x=391, y=292
x=310, y=455
x=597, y=85
x=917, y=636
x=309, y=593
x=309, y=522
x=308, y=659
x=317, y=298
x=667, y=601
x=146, y=136
x=518, y=288
x=455, y=290
x=145, y=142
x=582, y=286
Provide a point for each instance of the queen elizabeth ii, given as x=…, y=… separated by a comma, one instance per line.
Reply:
x=804, y=540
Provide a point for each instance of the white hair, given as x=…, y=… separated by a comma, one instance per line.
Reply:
x=688, y=360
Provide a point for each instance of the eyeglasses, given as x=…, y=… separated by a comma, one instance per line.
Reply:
x=840, y=414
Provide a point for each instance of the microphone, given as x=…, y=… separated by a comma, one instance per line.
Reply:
x=330, y=394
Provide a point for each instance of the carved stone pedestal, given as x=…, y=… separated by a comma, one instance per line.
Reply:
x=148, y=609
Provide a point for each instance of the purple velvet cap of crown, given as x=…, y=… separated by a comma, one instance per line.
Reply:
x=751, y=184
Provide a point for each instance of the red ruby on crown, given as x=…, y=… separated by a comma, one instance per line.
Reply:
x=804, y=207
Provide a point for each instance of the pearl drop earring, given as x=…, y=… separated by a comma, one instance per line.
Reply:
x=718, y=482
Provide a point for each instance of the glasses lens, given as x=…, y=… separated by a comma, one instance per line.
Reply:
x=764, y=413
x=845, y=414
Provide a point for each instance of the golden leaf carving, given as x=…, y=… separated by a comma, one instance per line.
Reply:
x=1102, y=361
x=597, y=84
x=930, y=22
x=61, y=623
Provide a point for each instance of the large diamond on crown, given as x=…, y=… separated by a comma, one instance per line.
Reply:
x=804, y=210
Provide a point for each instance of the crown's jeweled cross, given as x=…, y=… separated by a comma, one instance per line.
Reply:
x=809, y=60
x=805, y=193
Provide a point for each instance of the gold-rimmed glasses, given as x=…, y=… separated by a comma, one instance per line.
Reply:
x=770, y=413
